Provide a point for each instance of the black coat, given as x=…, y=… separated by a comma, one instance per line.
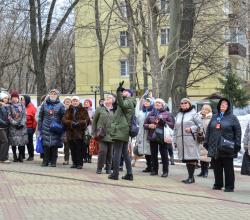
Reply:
x=230, y=130
x=49, y=110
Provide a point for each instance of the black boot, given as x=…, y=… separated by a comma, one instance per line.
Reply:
x=205, y=174
x=147, y=170
x=191, y=169
x=128, y=177
x=202, y=172
x=113, y=177
x=20, y=157
x=15, y=157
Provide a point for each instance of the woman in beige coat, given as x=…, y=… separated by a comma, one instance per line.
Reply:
x=206, y=115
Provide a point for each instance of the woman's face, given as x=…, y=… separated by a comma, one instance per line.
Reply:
x=158, y=105
x=185, y=105
x=67, y=102
x=75, y=102
x=86, y=104
x=205, y=111
x=223, y=106
x=53, y=96
x=22, y=100
x=109, y=100
x=14, y=100
x=147, y=104
x=5, y=100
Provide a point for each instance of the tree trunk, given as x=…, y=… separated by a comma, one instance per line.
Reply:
x=179, y=90
x=173, y=46
x=155, y=64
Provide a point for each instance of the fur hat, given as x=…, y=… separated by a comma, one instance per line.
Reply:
x=55, y=91
x=14, y=94
x=161, y=101
x=67, y=98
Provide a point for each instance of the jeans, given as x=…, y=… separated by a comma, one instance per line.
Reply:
x=105, y=155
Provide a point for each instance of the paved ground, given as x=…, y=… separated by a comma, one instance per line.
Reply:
x=63, y=193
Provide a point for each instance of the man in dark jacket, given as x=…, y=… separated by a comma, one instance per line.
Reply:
x=223, y=126
x=30, y=124
x=4, y=124
x=120, y=131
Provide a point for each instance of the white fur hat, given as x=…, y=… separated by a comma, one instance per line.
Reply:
x=4, y=95
x=75, y=98
x=161, y=101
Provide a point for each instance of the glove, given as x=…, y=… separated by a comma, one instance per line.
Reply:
x=75, y=124
x=120, y=87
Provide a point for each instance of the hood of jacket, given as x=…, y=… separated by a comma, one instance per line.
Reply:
x=229, y=109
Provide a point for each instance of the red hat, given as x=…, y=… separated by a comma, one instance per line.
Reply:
x=89, y=101
x=14, y=94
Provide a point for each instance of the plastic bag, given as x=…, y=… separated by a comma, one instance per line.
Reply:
x=39, y=145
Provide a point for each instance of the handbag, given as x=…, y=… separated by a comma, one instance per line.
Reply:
x=136, y=151
x=200, y=137
x=56, y=127
x=93, y=147
x=168, y=134
x=158, y=135
x=245, y=167
x=39, y=145
x=226, y=146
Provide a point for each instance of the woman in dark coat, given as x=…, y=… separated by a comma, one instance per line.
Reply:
x=18, y=135
x=76, y=120
x=51, y=110
x=223, y=125
x=157, y=119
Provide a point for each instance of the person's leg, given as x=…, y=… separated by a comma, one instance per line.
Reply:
x=73, y=153
x=54, y=154
x=109, y=158
x=164, y=158
x=154, y=158
x=14, y=153
x=102, y=156
x=4, y=145
x=126, y=157
x=205, y=169
x=78, y=145
x=148, y=163
x=202, y=169
x=66, y=153
x=171, y=153
x=229, y=173
x=117, y=157
x=46, y=156
x=30, y=145
x=21, y=151
x=218, y=173
x=121, y=163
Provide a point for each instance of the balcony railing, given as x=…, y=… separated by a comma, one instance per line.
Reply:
x=237, y=49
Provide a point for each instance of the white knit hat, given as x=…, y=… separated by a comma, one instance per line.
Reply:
x=161, y=101
x=4, y=95
x=75, y=98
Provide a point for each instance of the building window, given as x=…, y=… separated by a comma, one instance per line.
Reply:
x=123, y=39
x=238, y=36
x=164, y=36
x=124, y=11
x=124, y=67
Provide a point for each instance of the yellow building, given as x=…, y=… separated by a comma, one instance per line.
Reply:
x=116, y=53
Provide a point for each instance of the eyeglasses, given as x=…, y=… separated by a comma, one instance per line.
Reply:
x=184, y=103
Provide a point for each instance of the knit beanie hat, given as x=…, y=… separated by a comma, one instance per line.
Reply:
x=14, y=94
x=187, y=100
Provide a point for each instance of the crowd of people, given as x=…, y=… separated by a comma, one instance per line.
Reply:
x=199, y=137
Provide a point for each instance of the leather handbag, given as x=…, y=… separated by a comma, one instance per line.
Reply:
x=226, y=146
x=158, y=135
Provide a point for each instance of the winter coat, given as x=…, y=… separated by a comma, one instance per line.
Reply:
x=203, y=150
x=122, y=117
x=188, y=147
x=4, y=121
x=31, y=116
x=81, y=117
x=102, y=119
x=141, y=139
x=246, y=139
x=17, y=132
x=230, y=130
x=49, y=111
x=163, y=116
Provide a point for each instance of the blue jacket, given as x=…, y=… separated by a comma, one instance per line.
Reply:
x=50, y=110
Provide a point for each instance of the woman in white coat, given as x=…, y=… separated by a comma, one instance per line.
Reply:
x=187, y=123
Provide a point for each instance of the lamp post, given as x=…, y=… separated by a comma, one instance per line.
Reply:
x=95, y=89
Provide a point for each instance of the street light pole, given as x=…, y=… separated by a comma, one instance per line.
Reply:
x=95, y=89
